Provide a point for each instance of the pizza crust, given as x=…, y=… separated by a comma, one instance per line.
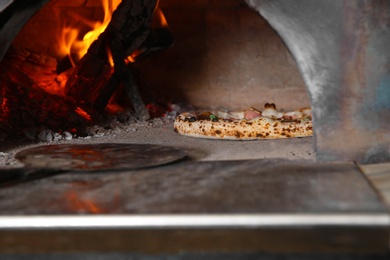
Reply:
x=274, y=125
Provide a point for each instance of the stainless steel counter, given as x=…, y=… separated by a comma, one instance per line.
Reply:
x=219, y=206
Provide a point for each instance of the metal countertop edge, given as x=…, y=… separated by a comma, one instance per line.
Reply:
x=192, y=221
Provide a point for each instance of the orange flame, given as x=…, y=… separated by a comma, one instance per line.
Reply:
x=70, y=43
x=75, y=46
x=161, y=18
x=110, y=58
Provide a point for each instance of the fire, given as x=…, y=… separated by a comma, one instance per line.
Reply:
x=160, y=17
x=72, y=46
x=45, y=95
x=75, y=46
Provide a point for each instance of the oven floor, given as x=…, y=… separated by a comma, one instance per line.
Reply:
x=161, y=132
x=227, y=197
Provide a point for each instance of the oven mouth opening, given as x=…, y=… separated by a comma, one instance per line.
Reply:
x=238, y=191
x=219, y=59
x=225, y=56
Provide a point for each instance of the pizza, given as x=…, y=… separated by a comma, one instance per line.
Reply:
x=249, y=124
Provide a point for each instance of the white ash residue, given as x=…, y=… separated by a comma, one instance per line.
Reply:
x=46, y=135
x=8, y=160
x=116, y=127
x=125, y=122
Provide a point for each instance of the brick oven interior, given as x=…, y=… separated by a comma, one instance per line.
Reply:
x=225, y=198
x=225, y=56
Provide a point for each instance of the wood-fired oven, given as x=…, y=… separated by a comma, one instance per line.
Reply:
x=111, y=103
x=226, y=55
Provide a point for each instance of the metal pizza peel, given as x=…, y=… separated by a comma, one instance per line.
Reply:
x=48, y=160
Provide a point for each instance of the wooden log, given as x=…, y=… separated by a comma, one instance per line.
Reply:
x=93, y=82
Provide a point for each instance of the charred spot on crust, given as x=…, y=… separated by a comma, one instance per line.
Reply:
x=259, y=135
x=175, y=129
x=218, y=132
x=237, y=134
x=248, y=123
x=289, y=119
x=192, y=119
x=270, y=105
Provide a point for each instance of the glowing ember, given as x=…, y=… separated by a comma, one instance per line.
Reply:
x=132, y=57
x=82, y=113
x=4, y=109
x=114, y=108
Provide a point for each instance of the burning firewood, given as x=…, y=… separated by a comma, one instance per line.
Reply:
x=32, y=97
x=94, y=79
